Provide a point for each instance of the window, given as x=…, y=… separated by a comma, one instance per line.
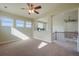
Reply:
x=19, y=23
x=41, y=26
x=28, y=24
x=6, y=22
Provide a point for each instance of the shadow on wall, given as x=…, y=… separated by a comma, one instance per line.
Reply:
x=19, y=34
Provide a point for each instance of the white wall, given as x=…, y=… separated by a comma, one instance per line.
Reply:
x=43, y=35
x=58, y=23
x=71, y=26
x=60, y=26
x=5, y=32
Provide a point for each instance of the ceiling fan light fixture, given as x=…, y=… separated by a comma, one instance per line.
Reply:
x=31, y=11
x=32, y=8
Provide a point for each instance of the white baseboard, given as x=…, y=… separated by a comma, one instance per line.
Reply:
x=43, y=40
x=4, y=42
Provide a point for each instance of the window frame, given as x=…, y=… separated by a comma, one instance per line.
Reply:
x=20, y=26
x=6, y=22
x=27, y=23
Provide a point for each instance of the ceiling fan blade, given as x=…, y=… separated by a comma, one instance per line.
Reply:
x=38, y=7
x=36, y=12
x=28, y=4
x=32, y=5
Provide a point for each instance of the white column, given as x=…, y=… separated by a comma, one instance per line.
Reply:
x=52, y=32
x=78, y=33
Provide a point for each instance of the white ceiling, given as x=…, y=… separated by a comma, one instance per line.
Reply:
x=15, y=8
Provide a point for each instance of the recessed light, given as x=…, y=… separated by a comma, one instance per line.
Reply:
x=23, y=8
x=5, y=6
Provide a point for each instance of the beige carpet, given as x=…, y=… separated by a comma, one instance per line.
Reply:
x=30, y=48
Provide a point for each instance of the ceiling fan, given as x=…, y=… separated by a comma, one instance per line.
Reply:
x=32, y=8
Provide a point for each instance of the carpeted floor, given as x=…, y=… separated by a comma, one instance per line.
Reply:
x=30, y=48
